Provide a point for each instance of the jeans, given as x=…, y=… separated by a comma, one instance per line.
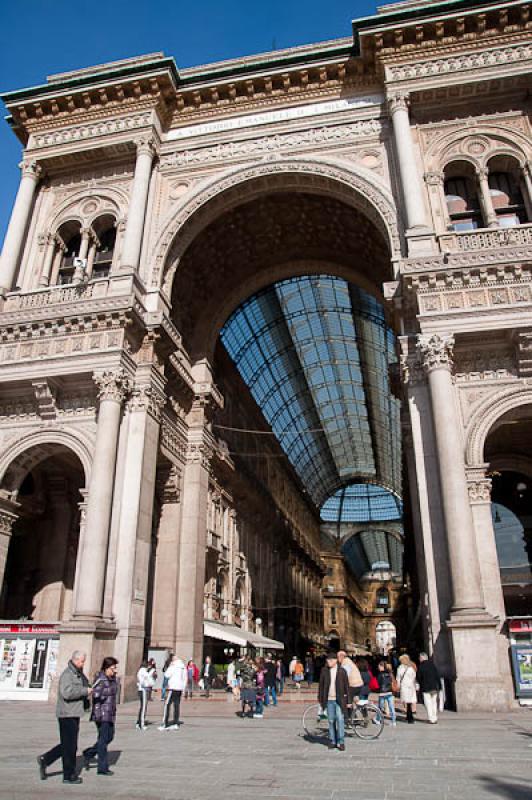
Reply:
x=279, y=682
x=68, y=736
x=270, y=690
x=336, y=722
x=259, y=705
x=387, y=700
x=106, y=734
x=164, y=688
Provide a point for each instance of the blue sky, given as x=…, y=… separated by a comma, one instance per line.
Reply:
x=41, y=37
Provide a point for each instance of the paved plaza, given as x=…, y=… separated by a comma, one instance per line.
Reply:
x=216, y=756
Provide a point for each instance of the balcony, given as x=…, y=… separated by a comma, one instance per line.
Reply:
x=486, y=238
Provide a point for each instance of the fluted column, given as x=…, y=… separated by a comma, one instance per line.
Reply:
x=410, y=178
x=90, y=577
x=14, y=241
x=138, y=201
x=488, y=212
x=436, y=352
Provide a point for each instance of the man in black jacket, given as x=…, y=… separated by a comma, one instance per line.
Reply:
x=333, y=695
x=269, y=681
x=429, y=681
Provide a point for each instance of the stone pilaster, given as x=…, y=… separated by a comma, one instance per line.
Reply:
x=130, y=256
x=8, y=517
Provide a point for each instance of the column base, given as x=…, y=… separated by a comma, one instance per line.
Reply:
x=483, y=681
x=95, y=637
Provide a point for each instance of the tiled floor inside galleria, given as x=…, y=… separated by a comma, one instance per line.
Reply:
x=216, y=755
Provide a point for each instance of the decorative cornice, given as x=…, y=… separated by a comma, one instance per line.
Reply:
x=436, y=351
x=112, y=385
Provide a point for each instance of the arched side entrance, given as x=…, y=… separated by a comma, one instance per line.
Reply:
x=41, y=492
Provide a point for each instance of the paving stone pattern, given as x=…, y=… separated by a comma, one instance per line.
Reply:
x=216, y=756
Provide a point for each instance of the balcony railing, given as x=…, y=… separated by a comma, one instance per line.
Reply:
x=486, y=238
x=117, y=285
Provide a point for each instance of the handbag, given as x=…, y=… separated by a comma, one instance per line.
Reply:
x=396, y=686
x=373, y=683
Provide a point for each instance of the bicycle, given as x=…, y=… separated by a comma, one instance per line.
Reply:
x=364, y=721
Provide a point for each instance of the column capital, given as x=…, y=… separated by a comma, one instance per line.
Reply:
x=434, y=178
x=112, y=385
x=146, y=144
x=8, y=512
x=200, y=448
x=399, y=101
x=436, y=351
x=31, y=169
x=482, y=173
x=147, y=398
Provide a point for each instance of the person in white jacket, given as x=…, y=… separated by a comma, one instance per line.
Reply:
x=177, y=681
x=145, y=681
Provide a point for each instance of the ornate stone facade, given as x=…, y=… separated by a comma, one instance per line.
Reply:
x=151, y=203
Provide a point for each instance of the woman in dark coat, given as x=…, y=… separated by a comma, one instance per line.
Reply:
x=103, y=714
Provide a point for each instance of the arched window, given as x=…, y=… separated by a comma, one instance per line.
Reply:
x=105, y=229
x=70, y=233
x=506, y=196
x=383, y=600
x=461, y=197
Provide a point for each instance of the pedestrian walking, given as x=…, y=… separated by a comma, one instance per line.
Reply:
x=333, y=695
x=103, y=714
x=385, y=680
x=177, y=681
x=145, y=682
x=280, y=673
x=429, y=681
x=72, y=699
x=354, y=677
x=270, y=691
x=260, y=677
x=208, y=674
x=248, y=688
x=406, y=678
x=299, y=674
x=192, y=678
x=164, y=686
x=309, y=670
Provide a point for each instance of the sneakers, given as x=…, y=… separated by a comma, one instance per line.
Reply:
x=86, y=762
x=163, y=728
x=42, y=768
x=258, y=716
x=174, y=727
x=341, y=747
x=141, y=727
x=105, y=772
x=74, y=779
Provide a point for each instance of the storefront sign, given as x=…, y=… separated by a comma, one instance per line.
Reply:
x=522, y=669
x=520, y=625
x=29, y=628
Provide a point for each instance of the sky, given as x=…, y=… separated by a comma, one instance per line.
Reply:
x=42, y=37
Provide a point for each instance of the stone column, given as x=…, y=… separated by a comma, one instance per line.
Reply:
x=138, y=201
x=8, y=517
x=92, y=558
x=166, y=588
x=410, y=178
x=436, y=352
x=435, y=182
x=486, y=203
x=56, y=265
x=86, y=234
x=49, y=244
x=526, y=180
x=14, y=241
x=130, y=591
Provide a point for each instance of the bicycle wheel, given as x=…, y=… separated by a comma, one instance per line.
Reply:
x=367, y=721
x=315, y=722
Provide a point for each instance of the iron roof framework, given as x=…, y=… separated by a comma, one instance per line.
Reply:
x=315, y=352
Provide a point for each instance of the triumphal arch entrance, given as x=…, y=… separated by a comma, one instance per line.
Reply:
x=265, y=353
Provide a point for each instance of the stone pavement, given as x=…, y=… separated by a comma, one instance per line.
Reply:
x=216, y=756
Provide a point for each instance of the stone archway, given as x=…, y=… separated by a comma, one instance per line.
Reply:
x=41, y=497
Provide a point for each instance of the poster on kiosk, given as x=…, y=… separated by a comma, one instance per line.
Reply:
x=28, y=660
x=520, y=629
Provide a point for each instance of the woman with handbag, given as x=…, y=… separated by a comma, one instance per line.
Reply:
x=104, y=692
x=406, y=677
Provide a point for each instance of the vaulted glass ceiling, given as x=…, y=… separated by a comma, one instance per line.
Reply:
x=315, y=353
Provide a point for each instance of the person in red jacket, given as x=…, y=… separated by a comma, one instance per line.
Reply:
x=192, y=678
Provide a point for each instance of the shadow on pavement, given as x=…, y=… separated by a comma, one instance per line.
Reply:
x=505, y=789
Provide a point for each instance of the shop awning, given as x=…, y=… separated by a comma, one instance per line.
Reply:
x=232, y=634
x=262, y=641
x=226, y=633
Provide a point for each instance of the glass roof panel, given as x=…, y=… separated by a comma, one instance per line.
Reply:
x=362, y=502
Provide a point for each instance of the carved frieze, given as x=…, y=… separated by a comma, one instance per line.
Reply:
x=91, y=130
x=278, y=143
x=462, y=62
